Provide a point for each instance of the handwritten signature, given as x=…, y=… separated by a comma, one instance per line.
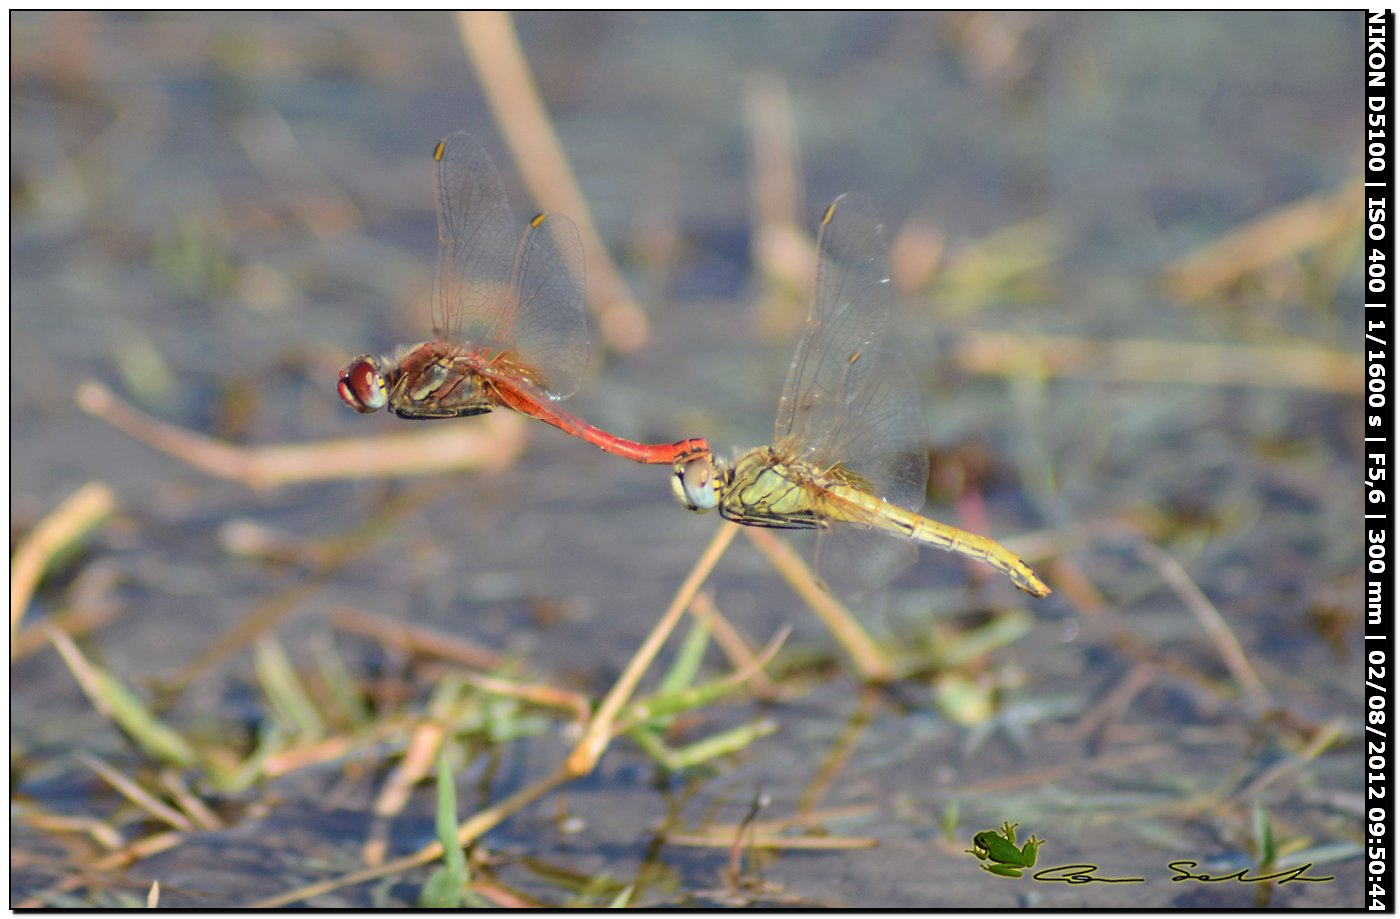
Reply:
x=1085, y=874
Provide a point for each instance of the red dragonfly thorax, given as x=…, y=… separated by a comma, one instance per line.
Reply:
x=439, y=379
x=434, y=379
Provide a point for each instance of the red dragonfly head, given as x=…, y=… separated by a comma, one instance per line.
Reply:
x=362, y=385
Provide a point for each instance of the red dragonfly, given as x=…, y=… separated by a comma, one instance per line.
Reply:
x=509, y=329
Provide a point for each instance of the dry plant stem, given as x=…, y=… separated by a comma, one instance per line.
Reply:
x=1281, y=234
x=834, y=763
x=1108, y=711
x=755, y=840
x=484, y=820
x=781, y=248
x=75, y=622
x=772, y=152
x=99, y=831
x=501, y=896
x=416, y=639
x=261, y=621
x=733, y=645
x=494, y=50
x=266, y=615
x=600, y=729
x=415, y=765
x=575, y=704
x=81, y=669
x=736, y=847
x=1148, y=361
x=490, y=444
x=1135, y=756
x=639, y=714
x=417, y=762
x=870, y=662
x=129, y=789
x=467, y=833
x=273, y=147
x=144, y=847
x=317, y=752
x=78, y=513
x=1075, y=588
x=1327, y=735
x=1214, y=624
x=191, y=805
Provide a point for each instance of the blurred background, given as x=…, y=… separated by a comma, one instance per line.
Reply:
x=1127, y=253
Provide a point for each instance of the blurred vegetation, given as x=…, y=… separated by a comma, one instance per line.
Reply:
x=1127, y=258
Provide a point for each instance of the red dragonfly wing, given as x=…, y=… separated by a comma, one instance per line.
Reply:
x=476, y=242
x=525, y=302
x=545, y=317
x=846, y=399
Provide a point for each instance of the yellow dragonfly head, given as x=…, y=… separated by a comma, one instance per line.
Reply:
x=696, y=483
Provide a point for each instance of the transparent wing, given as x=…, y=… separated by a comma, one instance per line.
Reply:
x=546, y=320
x=529, y=299
x=476, y=242
x=846, y=400
x=855, y=560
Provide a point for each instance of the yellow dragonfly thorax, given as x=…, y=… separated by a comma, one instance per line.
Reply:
x=765, y=488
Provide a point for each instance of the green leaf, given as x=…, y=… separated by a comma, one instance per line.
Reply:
x=444, y=887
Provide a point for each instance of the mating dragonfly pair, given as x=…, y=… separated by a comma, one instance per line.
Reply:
x=846, y=458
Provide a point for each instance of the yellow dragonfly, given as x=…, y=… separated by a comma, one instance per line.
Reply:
x=847, y=456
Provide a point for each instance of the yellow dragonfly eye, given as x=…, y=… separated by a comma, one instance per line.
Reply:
x=694, y=484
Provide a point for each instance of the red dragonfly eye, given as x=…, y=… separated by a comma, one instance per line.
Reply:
x=361, y=386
